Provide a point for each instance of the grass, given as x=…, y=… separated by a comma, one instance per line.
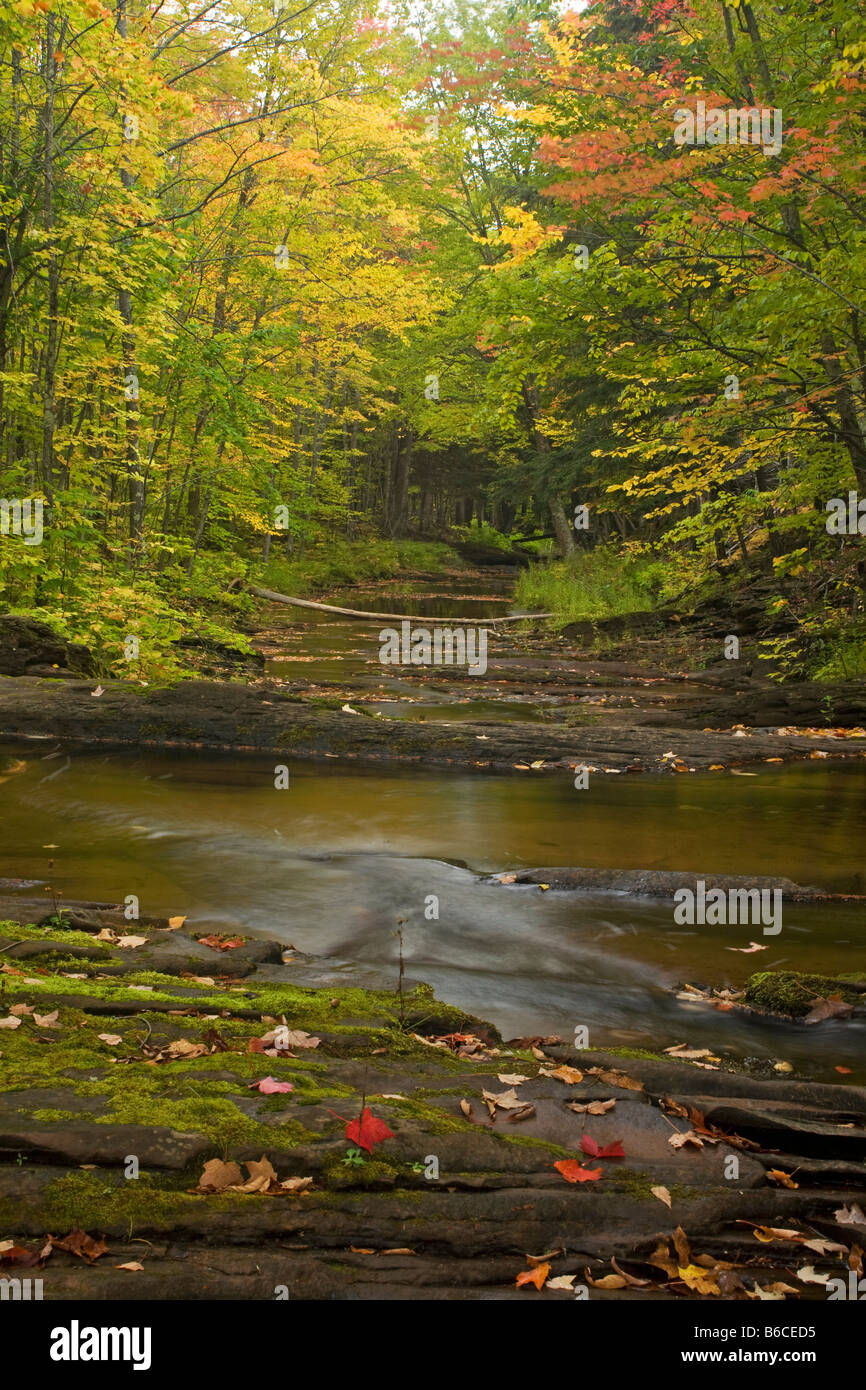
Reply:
x=597, y=583
x=336, y=563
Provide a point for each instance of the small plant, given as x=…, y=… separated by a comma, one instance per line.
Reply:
x=354, y=1158
x=399, y=935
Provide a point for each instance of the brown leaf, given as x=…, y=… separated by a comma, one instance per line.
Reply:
x=81, y=1244
x=217, y=1176
x=610, y=1281
x=593, y=1107
x=687, y=1136
x=132, y=1265
x=616, y=1078
x=504, y=1100
x=534, y=1260
x=661, y=1259
x=570, y=1076
x=296, y=1184
x=662, y=1194
x=681, y=1245
x=630, y=1279
x=525, y=1112
x=833, y=1006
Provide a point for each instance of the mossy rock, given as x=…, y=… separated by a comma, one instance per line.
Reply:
x=790, y=994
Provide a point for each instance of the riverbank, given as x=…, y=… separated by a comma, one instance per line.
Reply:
x=241, y=1187
x=216, y=716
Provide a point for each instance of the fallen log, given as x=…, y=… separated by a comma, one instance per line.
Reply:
x=274, y=597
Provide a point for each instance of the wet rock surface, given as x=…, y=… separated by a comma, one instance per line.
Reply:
x=234, y=718
x=447, y=1206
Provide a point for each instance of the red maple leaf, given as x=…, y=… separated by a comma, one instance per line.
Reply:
x=366, y=1131
x=614, y=1150
x=572, y=1172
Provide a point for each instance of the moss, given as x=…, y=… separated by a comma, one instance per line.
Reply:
x=636, y=1184
x=376, y=1172
x=636, y=1052
x=101, y=1202
x=790, y=993
x=51, y=934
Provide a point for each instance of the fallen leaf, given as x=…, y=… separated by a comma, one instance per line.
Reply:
x=592, y=1107
x=295, y=1037
x=610, y=1281
x=12, y=1254
x=833, y=1006
x=563, y=1281
x=778, y=1175
x=81, y=1244
x=850, y=1216
x=698, y=1280
x=688, y=1136
x=131, y=942
x=368, y=1130
x=615, y=1078
x=217, y=1176
x=537, y=1276
x=47, y=1020
x=748, y=950
x=589, y=1146
x=504, y=1100
x=571, y=1170
x=132, y=1265
x=569, y=1075
x=10, y=1022
x=174, y=923
x=269, y=1086
x=534, y=1260
x=631, y=1279
x=508, y=1079
x=525, y=1112
x=182, y=1047
x=467, y=1109
x=113, y=1039
x=296, y=1184
x=662, y=1194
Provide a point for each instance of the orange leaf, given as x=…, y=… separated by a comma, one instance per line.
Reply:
x=535, y=1276
x=572, y=1171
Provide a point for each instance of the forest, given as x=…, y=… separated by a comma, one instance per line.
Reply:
x=432, y=675
x=285, y=289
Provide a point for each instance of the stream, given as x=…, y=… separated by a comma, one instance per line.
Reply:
x=332, y=862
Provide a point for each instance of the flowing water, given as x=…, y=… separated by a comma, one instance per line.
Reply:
x=330, y=864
